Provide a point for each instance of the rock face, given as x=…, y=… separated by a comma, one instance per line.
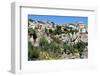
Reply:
x=69, y=33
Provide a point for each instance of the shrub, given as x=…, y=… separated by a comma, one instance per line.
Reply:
x=44, y=43
x=44, y=55
x=65, y=47
x=80, y=46
x=30, y=31
x=50, y=31
x=58, y=30
x=33, y=52
x=56, y=40
x=34, y=35
x=54, y=47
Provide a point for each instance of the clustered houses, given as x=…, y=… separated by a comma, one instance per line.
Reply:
x=80, y=27
x=42, y=25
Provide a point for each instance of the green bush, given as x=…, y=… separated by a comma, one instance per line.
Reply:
x=58, y=30
x=80, y=46
x=33, y=52
x=54, y=47
x=44, y=43
x=56, y=40
x=30, y=31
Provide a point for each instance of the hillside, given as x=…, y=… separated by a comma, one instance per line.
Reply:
x=47, y=40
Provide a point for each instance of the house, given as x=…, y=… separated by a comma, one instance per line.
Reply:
x=82, y=28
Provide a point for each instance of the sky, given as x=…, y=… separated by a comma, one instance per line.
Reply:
x=59, y=19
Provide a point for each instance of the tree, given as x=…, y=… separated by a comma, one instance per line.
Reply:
x=30, y=20
x=80, y=46
x=50, y=31
x=58, y=30
x=52, y=23
x=30, y=31
x=34, y=35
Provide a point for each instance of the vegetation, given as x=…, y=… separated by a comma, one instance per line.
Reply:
x=80, y=46
x=58, y=30
x=32, y=32
x=54, y=48
x=33, y=52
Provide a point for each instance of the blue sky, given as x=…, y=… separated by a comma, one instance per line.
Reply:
x=59, y=19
